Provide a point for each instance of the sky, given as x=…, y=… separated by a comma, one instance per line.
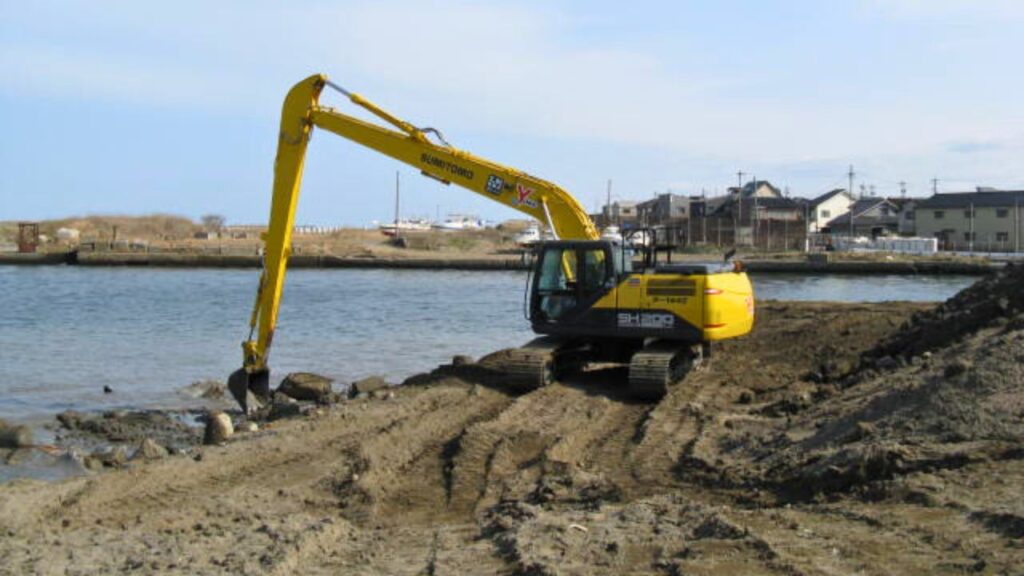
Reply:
x=172, y=107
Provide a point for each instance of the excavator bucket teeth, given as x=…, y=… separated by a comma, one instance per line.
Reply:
x=249, y=388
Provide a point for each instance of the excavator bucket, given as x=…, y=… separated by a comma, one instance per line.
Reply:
x=250, y=390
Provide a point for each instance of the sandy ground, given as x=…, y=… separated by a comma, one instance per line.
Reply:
x=836, y=439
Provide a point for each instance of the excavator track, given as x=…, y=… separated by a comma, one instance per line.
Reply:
x=660, y=364
x=536, y=364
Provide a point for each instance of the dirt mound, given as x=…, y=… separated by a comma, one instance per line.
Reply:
x=992, y=301
x=944, y=391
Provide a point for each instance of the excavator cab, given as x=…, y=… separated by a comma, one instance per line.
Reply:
x=569, y=278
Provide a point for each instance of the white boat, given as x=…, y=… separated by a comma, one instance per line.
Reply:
x=639, y=239
x=531, y=236
x=611, y=233
x=459, y=222
x=405, y=225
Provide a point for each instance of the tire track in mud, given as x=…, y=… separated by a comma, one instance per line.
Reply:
x=667, y=437
x=547, y=431
x=490, y=452
x=404, y=464
x=284, y=470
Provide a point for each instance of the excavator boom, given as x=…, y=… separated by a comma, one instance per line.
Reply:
x=404, y=142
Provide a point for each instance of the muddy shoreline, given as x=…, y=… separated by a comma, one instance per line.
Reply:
x=834, y=439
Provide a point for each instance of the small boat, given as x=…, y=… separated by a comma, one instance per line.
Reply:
x=531, y=236
x=638, y=238
x=612, y=233
x=405, y=225
x=459, y=222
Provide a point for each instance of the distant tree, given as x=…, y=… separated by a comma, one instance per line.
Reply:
x=212, y=222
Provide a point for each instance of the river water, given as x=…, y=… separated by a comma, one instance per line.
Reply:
x=66, y=332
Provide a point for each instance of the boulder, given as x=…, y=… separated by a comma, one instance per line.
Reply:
x=218, y=428
x=207, y=389
x=283, y=406
x=462, y=360
x=149, y=450
x=305, y=386
x=367, y=386
x=113, y=458
x=14, y=436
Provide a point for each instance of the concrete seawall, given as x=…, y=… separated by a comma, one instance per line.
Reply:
x=37, y=259
x=854, y=267
x=484, y=264
x=299, y=261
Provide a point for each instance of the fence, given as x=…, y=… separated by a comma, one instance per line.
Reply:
x=769, y=235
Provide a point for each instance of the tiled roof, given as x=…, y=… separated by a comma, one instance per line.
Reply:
x=978, y=199
x=816, y=201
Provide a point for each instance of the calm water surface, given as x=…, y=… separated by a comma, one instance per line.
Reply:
x=65, y=332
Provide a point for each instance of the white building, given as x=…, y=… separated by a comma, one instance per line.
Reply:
x=827, y=207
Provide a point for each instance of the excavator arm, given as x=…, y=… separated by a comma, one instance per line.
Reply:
x=404, y=142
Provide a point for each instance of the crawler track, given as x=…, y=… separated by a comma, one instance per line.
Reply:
x=658, y=365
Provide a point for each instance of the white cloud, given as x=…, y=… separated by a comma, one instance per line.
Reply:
x=961, y=10
x=494, y=68
x=51, y=71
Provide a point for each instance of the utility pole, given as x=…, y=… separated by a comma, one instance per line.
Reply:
x=703, y=217
x=754, y=216
x=935, y=185
x=850, y=174
x=970, y=233
x=737, y=215
x=807, y=227
x=608, y=204
x=398, y=232
x=1016, y=227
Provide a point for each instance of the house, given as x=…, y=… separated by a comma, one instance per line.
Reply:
x=773, y=208
x=619, y=213
x=739, y=203
x=870, y=216
x=987, y=219
x=664, y=210
x=755, y=202
x=756, y=189
x=905, y=210
x=826, y=207
x=755, y=213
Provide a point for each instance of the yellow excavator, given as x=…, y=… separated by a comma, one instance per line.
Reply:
x=589, y=300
